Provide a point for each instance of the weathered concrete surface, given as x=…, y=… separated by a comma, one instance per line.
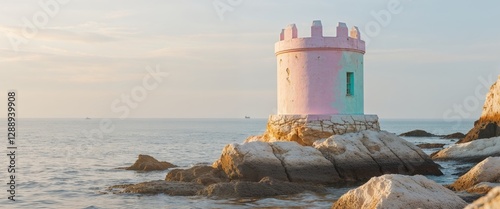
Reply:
x=306, y=129
x=398, y=191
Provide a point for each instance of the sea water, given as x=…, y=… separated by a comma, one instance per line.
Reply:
x=69, y=163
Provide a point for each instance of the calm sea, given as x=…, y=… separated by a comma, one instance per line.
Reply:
x=58, y=166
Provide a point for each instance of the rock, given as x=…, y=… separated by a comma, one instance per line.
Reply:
x=418, y=133
x=488, y=124
x=304, y=164
x=398, y=191
x=472, y=151
x=250, y=162
x=159, y=187
x=306, y=129
x=267, y=187
x=457, y=135
x=148, y=163
x=205, y=175
x=482, y=188
x=287, y=161
x=485, y=171
x=430, y=146
x=490, y=201
x=360, y=156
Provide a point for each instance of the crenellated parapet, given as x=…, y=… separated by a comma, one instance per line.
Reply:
x=345, y=40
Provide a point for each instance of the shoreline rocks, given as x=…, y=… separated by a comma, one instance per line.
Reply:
x=490, y=201
x=398, y=191
x=472, y=151
x=205, y=175
x=430, y=145
x=418, y=133
x=488, y=125
x=148, y=163
x=481, y=178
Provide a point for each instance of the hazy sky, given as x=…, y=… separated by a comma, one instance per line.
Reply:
x=83, y=58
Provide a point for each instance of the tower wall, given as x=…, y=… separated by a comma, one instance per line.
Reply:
x=312, y=72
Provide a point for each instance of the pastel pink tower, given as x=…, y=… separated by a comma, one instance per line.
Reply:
x=320, y=75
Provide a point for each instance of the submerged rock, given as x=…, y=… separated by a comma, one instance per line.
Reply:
x=475, y=151
x=362, y=155
x=486, y=171
x=418, y=133
x=398, y=191
x=488, y=124
x=430, y=145
x=159, y=187
x=490, y=201
x=148, y=163
x=267, y=187
x=205, y=175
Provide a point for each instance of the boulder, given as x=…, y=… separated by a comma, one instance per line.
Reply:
x=488, y=124
x=148, y=163
x=362, y=155
x=398, y=191
x=430, y=145
x=304, y=164
x=250, y=162
x=457, y=135
x=486, y=171
x=266, y=187
x=159, y=187
x=472, y=151
x=490, y=201
x=205, y=175
x=482, y=188
x=418, y=133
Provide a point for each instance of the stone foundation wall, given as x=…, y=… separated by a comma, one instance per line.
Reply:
x=306, y=129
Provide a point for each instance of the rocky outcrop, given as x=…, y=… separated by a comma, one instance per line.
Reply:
x=475, y=151
x=205, y=175
x=483, y=187
x=349, y=157
x=490, y=201
x=159, y=187
x=457, y=135
x=488, y=124
x=418, y=133
x=430, y=145
x=306, y=129
x=486, y=171
x=398, y=191
x=148, y=163
x=362, y=155
x=267, y=187
x=287, y=161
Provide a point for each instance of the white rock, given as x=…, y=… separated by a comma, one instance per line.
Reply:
x=486, y=171
x=490, y=201
x=250, y=161
x=362, y=155
x=398, y=191
x=478, y=149
x=304, y=164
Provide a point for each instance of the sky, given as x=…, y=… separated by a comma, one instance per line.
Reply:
x=215, y=58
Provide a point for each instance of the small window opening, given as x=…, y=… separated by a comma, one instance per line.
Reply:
x=350, y=84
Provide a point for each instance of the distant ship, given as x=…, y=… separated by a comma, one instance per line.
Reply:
x=87, y=118
x=247, y=117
